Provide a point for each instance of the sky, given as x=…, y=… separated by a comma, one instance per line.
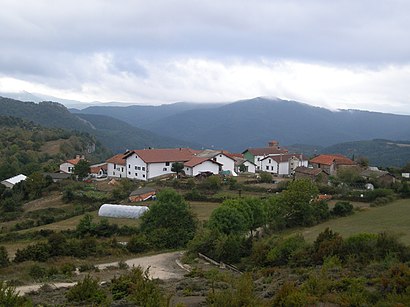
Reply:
x=335, y=54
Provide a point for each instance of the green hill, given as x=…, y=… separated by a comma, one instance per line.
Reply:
x=23, y=147
x=113, y=133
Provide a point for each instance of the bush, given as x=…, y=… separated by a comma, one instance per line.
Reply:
x=138, y=288
x=266, y=177
x=342, y=208
x=37, y=272
x=10, y=298
x=284, y=250
x=86, y=291
x=138, y=244
x=4, y=257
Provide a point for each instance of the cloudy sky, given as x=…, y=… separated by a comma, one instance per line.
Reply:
x=336, y=54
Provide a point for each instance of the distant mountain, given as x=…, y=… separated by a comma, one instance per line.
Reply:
x=119, y=135
x=111, y=132
x=251, y=123
x=382, y=153
x=141, y=116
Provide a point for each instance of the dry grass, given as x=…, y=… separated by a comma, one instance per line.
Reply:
x=393, y=218
x=52, y=147
x=203, y=210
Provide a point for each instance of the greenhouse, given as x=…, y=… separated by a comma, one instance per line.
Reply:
x=122, y=211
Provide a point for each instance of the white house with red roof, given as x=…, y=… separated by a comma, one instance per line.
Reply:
x=222, y=157
x=255, y=155
x=116, y=167
x=68, y=165
x=198, y=165
x=145, y=164
x=283, y=164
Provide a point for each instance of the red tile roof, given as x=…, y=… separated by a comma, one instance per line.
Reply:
x=94, y=169
x=163, y=155
x=330, y=159
x=74, y=161
x=117, y=159
x=266, y=151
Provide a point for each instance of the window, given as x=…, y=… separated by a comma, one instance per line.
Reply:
x=122, y=169
x=129, y=173
x=115, y=165
x=139, y=168
x=135, y=167
x=143, y=176
x=129, y=165
x=267, y=167
x=136, y=174
x=270, y=161
x=166, y=163
x=143, y=168
x=113, y=173
x=259, y=159
x=164, y=169
x=271, y=168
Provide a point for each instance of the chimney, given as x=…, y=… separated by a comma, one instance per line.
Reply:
x=273, y=143
x=77, y=156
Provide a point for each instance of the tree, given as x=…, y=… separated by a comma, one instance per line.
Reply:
x=169, y=223
x=177, y=167
x=228, y=219
x=82, y=169
x=297, y=200
x=266, y=177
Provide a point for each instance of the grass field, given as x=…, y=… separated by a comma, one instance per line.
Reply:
x=393, y=218
x=203, y=210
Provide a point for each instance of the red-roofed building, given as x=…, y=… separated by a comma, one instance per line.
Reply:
x=255, y=155
x=198, y=165
x=331, y=163
x=145, y=164
x=98, y=170
x=68, y=165
x=116, y=167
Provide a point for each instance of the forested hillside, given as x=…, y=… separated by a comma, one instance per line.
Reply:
x=112, y=133
x=26, y=147
x=251, y=123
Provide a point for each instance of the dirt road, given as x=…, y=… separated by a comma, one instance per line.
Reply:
x=161, y=266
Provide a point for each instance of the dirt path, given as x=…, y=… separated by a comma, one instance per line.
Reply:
x=162, y=266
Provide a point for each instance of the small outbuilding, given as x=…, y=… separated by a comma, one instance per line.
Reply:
x=11, y=182
x=122, y=211
x=142, y=194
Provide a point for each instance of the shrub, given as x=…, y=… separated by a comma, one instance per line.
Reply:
x=36, y=252
x=362, y=246
x=4, y=257
x=138, y=244
x=342, y=208
x=86, y=291
x=285, y=249
x=266, y=177
x=37, y=272
x=327, y=243
x=138, y=288
x=10, y=298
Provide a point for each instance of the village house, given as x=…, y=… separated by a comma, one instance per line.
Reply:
x=199, y=165
x=314, y=174
x=68, y=165
x=383, y=178
x=116, y=167
x=255, y=155
x=221, y=157
x=145, y=164
x=142, y=194
x=99, y=170
x=282, y=164
x=244, y=166
x=331, y=163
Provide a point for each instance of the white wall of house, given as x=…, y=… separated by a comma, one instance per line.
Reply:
x=228, y=164
x=67, y=168
x=206, y=166
x=116, y=170
x=158, y=169
x=269, y=165
x=136, y=168
x=251, y=168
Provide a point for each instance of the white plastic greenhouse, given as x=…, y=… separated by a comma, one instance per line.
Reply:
x=122, y=211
